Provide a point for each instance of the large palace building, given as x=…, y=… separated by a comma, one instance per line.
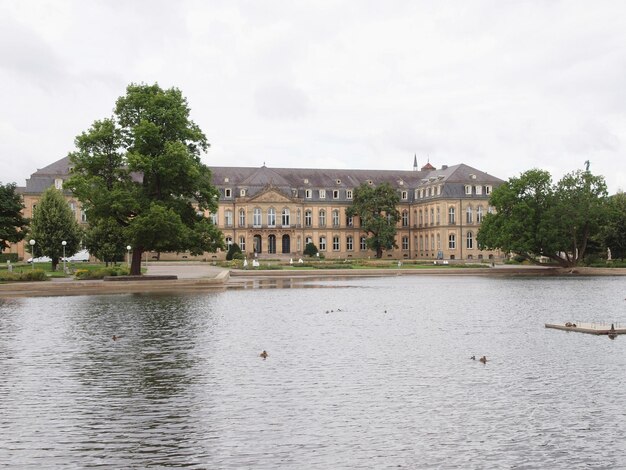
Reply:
x=275, y=212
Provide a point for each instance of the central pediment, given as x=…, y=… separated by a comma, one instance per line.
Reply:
x=271, y=194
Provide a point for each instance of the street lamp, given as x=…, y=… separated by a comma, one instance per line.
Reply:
x=32, y=252
x=128, y=254
x=64, y=243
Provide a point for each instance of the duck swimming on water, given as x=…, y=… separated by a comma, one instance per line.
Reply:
x=483, y=359
x=264, y=354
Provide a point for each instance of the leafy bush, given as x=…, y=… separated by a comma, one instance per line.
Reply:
x=233, y=251
x=26, y=276
x=101, y=273
x=310, y=249
x=12, y=257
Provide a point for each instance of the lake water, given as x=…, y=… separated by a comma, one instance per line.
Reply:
x=383, y=380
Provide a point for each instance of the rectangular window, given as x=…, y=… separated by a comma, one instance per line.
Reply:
x=228, y=193
x=335, y=194
x=58, y=183
x=242, y=192
x=322, y=194
x=349, y=243
x=308, y=193
x=363, y=244
x=228, y=218
x=405, y=243
x=487, y=189
x=405, y=195
x=336, y=243
x=479, y=190
x=242, y=218
x=322, y=243
x=242, y=243
x=348, y=194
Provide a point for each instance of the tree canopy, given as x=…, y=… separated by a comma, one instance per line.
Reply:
x=614, y=230
x=535, y=218
x=141, y=168
x=12, y=223
x=53, y=223
x=378, y=213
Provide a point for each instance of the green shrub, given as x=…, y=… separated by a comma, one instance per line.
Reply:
x=310, y=249
x=12, y=257
x=233, y=251
x=26, y=276
x=84, y=274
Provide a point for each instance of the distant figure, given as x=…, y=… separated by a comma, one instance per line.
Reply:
x=264, y=354
x=114, y=338
x=473, y=358
x=483, y=359
x=612, y=330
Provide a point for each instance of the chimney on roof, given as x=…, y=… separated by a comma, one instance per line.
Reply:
x=444, y=167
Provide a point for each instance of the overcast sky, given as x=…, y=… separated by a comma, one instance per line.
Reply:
x=503, y=86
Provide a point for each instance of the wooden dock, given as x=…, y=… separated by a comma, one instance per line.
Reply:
x=589, y=328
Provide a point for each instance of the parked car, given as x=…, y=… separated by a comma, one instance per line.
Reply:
x=81, y=256
x=41, y=259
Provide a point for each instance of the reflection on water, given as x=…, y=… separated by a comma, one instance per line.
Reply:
x=382, y=380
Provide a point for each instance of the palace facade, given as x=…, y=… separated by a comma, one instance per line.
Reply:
x=275, y=212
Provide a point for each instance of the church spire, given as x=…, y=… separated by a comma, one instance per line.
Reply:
x=415, y=162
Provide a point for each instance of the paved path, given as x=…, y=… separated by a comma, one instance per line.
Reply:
x=185, y=270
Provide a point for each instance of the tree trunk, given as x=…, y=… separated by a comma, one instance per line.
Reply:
x=135, y=266
x=379, y=252
x=55, y=263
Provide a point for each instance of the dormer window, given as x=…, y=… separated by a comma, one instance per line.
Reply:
x=228, y=193
x=370, y=182
x=336, y=194
x=322, y=194
x=348, y=194
x=226, y=180
x=338, y=181
x=487, y=189
x=479, y=189
x=308, y=193
x=242, y=192
x=306, y=181
x=58, y=183
x=468, y=189
x=473, y=176
x=404, y=195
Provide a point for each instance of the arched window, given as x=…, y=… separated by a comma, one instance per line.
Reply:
x=451, y=216
x=285, y=217
x=405, y=218
x=322, y=218
x=271, y=217
x=349, y=243
x=479, y=214
x=242, y=243
x=308, y=218
x=468, y=213
x=363, y=243
x=228, y=218
x=452, y=241
x=242, y=217
x=335, y=218
x=256, y=217
x=469, y=240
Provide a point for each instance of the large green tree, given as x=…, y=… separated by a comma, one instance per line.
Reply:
x=535, y=218
x=12, y=223
x=376, y=207
x=53, y=223
x=614, y=230
x=141, y=168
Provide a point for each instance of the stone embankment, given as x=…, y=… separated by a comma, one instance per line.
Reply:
x=178, y=277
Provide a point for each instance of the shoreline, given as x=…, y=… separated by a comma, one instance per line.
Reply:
x=224, y=278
